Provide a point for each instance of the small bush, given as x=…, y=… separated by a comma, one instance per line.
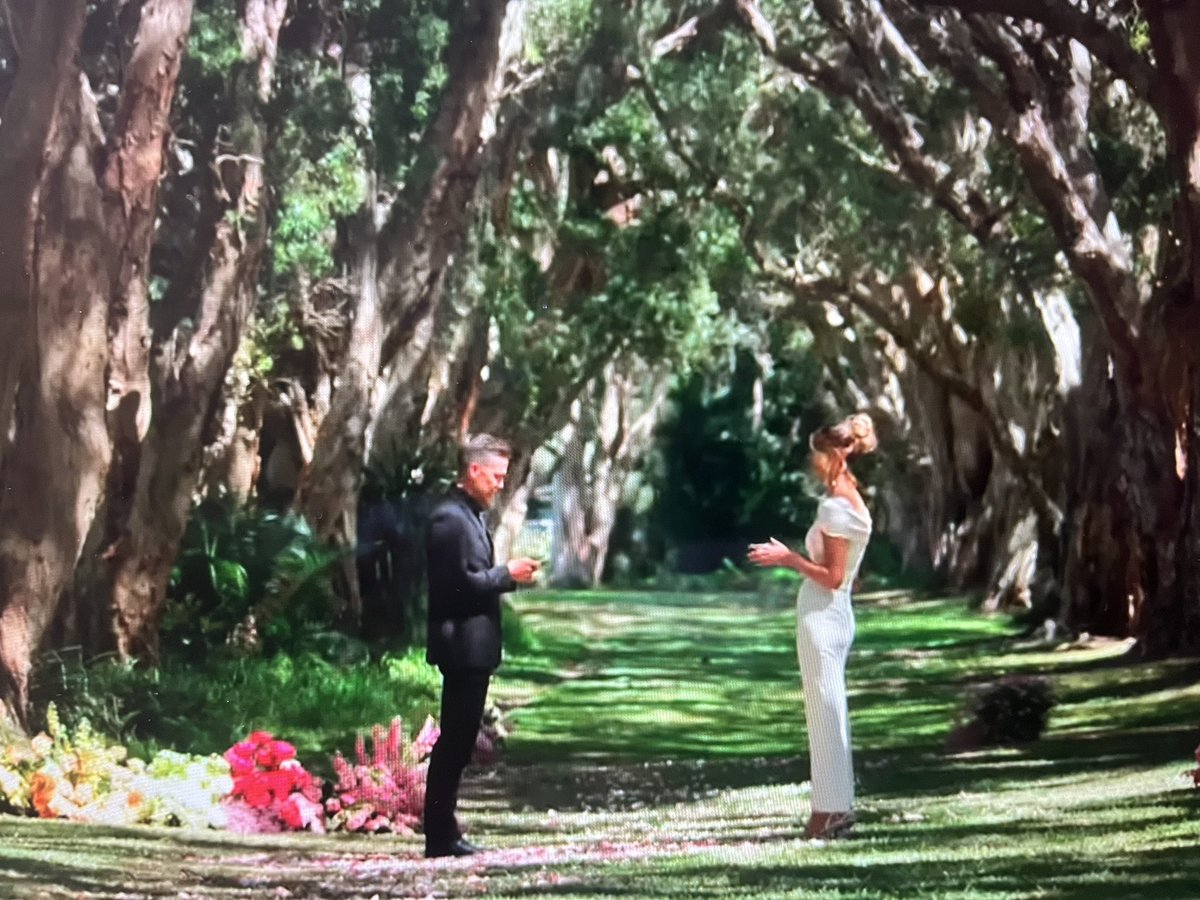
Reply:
x=206, y=707
x=247, y=579
x=383, y=790
x=1011, y=711
x=78, y=774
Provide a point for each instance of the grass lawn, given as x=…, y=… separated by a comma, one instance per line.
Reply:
x=658, y=751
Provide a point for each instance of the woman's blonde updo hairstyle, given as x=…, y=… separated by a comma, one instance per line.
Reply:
x=853, y=436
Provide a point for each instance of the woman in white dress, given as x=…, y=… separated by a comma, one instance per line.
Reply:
x=824, y=618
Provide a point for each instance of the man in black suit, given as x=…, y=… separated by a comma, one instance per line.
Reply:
x=465, y=586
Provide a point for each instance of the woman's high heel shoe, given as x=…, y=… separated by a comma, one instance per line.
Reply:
x=829, y=826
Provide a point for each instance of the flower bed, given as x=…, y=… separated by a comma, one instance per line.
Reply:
x=83, y=778
x=258, y=785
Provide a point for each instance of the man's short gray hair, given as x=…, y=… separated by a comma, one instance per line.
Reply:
x=480, y=447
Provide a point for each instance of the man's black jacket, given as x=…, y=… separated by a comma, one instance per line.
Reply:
x=465, y=587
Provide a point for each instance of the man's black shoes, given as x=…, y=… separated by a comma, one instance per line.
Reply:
x=460, y=847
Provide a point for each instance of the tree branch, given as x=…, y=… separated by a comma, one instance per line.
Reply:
x=896, y=131
x=860, y=296
x=1102, y=38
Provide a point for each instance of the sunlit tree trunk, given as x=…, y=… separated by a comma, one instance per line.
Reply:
x=413, y=248
x=603, y=444
x=190, y=382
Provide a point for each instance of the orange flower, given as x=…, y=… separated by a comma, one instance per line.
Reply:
x=43, y=790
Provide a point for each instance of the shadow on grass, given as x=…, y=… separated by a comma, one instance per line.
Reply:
x=73, y=880
x=632, y=786
x=887, y=774
x=675, y=700
x=1161, y=873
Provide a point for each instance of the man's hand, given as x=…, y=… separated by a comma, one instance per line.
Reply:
x=523, y=569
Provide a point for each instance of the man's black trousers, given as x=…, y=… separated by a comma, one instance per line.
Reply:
x=463, y=694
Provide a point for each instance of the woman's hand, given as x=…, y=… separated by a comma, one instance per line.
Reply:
x=772, y=553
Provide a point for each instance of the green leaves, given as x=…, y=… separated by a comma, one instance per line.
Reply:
x=320, y=192
x=213, y=43
x=558, y=28
x=240, y=570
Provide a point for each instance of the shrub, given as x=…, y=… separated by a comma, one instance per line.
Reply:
x=84, y=778
x=206, y=707
x=271, y=790
x=247, y=578
x=1011, y=711
x=383, y=790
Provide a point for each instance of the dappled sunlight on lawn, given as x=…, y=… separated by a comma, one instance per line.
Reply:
x=658, y=750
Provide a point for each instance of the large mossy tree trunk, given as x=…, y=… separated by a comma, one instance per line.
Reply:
x=81, y=380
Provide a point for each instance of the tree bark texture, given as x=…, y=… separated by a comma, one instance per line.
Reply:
x=400, y=286
x=90, y=249
x=611, y=429
x=51, y=31
x=54, y=470
x=190, y=383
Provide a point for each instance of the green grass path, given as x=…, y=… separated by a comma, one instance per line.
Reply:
x=658, y=751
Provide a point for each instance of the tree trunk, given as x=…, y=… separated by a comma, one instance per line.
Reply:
x=328, y=492
x=53, y=473
x=602, y=447
x=92, y=251
x=401, y=284
x=232, y=462
x=570, y=563
x=1171, y=619
x=508, y=515
x=1135, y=555
x=51, y=31
x=188, y=399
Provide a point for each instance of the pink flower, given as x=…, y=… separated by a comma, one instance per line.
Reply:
x=423, y=743
x=279, y=782
x=377, y=823
x=240, y=758
x=256, y=792
x=243, y=819
x=359, y=818
x=298, y=812
x=395, y=738
x=271, y=754
x=379, y=745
